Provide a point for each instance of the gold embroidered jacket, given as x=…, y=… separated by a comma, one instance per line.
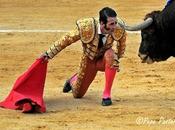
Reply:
x=86, y=31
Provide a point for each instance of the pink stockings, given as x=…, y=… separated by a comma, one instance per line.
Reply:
x=109, y=77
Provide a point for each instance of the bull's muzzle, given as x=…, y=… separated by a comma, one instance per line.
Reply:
x=145, y=58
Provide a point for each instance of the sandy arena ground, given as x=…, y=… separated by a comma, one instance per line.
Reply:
x=140, y=92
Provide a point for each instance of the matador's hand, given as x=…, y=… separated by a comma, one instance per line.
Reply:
x=45, y=56
x=116, y=65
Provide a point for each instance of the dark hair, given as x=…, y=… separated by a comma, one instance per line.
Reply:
x=105, y=13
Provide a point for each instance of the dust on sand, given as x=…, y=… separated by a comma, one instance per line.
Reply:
x=140, y=92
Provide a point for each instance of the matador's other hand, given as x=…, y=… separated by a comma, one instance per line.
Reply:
x=116, y=65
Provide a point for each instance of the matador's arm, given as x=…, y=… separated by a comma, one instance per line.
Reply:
x=65, y=41
x=120, y=48
x=121, y=45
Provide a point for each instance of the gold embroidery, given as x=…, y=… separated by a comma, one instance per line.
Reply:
x=65, y=41
x=80, y=75
x=87, y=29
x=118, y=33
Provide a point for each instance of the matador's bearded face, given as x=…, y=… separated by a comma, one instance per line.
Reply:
x=110, y=26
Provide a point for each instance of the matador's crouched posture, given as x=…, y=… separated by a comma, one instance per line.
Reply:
x=97, y=38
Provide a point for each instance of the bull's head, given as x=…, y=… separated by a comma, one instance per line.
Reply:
x=151, y=47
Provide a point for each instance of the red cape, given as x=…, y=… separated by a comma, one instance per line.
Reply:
x=30, y=86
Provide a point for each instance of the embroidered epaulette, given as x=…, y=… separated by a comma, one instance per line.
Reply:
x=86, y=28
x=118, y=33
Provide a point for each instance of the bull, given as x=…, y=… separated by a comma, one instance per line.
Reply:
x=157, y=35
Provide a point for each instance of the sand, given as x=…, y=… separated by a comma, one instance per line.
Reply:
x=143, y=95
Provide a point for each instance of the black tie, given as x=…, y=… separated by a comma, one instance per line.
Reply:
x=100, y=44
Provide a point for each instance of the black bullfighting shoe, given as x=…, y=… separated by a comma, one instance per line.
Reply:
x=106, y=102
x=67, y=87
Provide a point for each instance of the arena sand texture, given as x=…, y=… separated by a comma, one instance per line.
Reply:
x=140, y=92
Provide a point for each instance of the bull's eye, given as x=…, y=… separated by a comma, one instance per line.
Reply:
x=144, y=36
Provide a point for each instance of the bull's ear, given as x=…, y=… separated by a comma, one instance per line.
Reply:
x=152, y=15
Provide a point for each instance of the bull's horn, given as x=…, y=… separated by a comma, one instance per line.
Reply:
x=137, y=27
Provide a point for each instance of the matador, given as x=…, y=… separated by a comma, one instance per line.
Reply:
x=97, y=38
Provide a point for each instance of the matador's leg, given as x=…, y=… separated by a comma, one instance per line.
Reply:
x=106, y=64
x=80, y=82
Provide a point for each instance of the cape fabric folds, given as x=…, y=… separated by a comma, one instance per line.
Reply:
x=29, y=86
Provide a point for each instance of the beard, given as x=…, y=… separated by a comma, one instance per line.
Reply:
x=108, y=30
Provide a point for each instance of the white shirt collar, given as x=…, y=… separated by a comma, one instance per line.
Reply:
x=99, y=30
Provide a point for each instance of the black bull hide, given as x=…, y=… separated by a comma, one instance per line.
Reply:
x=158, y=39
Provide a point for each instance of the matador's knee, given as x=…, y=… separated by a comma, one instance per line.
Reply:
x=77, y=95
x=109, y=57
x=79, y=89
